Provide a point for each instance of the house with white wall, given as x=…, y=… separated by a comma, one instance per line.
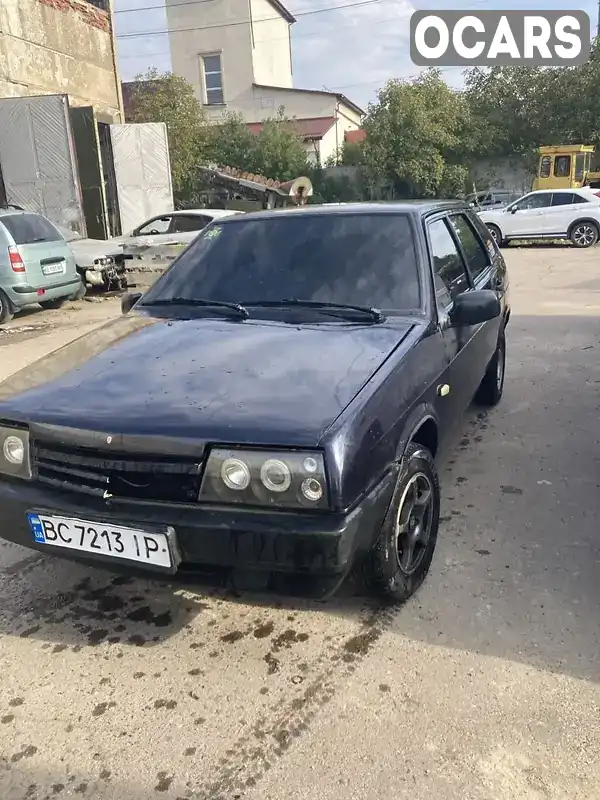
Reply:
x=238, y=56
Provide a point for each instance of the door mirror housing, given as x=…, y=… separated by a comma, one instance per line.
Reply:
x=473, y=308
x=128, y=301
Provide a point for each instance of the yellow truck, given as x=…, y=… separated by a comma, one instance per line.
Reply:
x=566, y=167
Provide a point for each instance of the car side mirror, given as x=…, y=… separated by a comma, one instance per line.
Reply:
x=128, y=301
x=514, y=210
x=473, y=308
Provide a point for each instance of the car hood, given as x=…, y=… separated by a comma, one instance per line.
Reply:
x=86, y=251
x=252, y=381
x=493, y=215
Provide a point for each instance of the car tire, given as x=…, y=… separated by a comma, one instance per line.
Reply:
x=6, y=312
x=53, y=305
x=584, y=234
x=80, y=293
x=393, y=571
x=491, y=387
x=496, y=234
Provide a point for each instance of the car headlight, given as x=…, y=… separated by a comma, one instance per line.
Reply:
x=265, y=478
x=14, y=453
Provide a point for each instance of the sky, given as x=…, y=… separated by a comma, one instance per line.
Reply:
x=352, y=50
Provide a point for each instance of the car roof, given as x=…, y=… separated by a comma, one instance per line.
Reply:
x=419, y=208
x=213, y=212
x=11, y=212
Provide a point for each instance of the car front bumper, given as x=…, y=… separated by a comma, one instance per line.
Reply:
x=317, y=545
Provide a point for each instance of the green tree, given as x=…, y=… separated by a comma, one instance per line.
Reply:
x=515, y=110
x=275, y=152
x=233, y=143
x=168, y=98
x=278, y=152
x=415, y=132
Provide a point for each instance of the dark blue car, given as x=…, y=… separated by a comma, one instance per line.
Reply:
x=273, y=405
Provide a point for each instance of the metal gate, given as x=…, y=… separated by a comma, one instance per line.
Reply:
x=142, y=170
x=37, y=158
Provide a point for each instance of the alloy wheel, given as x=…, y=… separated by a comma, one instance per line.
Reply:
x=413, y=523
x=584, y=235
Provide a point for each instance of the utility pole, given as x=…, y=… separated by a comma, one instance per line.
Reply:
x=598, y=25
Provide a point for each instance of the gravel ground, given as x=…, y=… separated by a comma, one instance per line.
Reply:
x=485, y=686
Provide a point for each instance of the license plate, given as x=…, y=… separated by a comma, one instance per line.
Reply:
x=53, y=269
x=112, y=541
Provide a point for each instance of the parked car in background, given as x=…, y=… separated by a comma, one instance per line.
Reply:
x=545, y=214
x=272, y=405
x=180, y=226
x=95, y=260
x=36, y=264
x=492, y=198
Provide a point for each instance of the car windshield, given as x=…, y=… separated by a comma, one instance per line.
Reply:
x=361, y=259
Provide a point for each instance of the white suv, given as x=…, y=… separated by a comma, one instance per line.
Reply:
x=548, y=214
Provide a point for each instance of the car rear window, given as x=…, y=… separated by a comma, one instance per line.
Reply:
x=30, y=228
x=358, y=258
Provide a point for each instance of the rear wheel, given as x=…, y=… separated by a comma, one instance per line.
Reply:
x=53, y=305
x=6, y=313
x=400, y=559
x=80, y=293
x=584, y=234
x=496, y=234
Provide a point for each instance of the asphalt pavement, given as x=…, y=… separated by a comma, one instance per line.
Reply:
x=485, y=686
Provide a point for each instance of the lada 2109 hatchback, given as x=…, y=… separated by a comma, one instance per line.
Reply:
x=272, y=405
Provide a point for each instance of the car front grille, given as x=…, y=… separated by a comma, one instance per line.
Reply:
x=125, y=476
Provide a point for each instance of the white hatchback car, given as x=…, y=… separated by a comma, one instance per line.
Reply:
x=548, y=214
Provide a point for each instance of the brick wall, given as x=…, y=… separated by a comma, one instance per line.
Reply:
x=93, y=15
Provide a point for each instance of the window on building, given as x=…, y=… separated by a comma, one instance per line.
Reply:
x=213, y=79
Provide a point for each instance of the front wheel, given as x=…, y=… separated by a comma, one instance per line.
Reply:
x=496, y=234
x=584, y=234
x=400, y=559
x=492, y=386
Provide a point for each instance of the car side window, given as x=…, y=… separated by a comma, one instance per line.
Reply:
x=484, y=234
x=579, y=198
x=156, y=225
x=448, y=265
x=477, y=258
x=186, y=223
x=533, y=201
x=564, y=199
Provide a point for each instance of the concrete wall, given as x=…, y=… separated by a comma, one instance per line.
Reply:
x=59, y=47
x=514, y=174
x=272, y=47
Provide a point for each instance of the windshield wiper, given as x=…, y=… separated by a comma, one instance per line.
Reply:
x=374, y=313
x=200, y=303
